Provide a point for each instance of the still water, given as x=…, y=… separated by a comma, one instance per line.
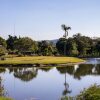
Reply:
x=49, y=83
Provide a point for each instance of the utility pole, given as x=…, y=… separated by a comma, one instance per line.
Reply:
x=14, y=30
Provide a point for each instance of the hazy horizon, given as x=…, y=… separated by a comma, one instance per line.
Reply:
x=41, y=19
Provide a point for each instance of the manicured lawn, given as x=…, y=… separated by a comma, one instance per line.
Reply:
x=3, y=98
x=41, y=60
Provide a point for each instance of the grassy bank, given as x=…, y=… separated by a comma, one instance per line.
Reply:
x=40, y=60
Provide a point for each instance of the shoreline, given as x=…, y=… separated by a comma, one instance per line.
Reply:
x=40, y=65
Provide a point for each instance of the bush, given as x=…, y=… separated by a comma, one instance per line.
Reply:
x=2, y=51
x=92, y=93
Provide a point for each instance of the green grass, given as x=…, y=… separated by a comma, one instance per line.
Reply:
x=41, y=60
x=3, y=98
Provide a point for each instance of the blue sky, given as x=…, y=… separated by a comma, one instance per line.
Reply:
x=42, y=19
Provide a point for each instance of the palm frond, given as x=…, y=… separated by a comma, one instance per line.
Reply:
x=65, y=28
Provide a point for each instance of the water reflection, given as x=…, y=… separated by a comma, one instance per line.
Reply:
x=46, y=69
x=73, y=72
x=2, y=70
x=26, y=74
x=81, y=70
x=66, y=90
x=77, y=71
x=93, y=61
x=67, y=69
x=3, y=92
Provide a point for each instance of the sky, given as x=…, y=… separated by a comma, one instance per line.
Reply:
x=42, y=19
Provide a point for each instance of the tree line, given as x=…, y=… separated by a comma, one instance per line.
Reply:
x=78, y=45
x=26, y=46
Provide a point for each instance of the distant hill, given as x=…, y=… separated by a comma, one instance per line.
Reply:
x=54, y=41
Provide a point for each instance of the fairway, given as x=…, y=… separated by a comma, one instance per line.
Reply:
x=40, y=60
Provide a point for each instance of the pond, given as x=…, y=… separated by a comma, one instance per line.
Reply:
x=35, y=83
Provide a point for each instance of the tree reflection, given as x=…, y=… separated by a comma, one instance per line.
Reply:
x=14, y=69
x=97, y=69
x=66, y=90
x=83, y=70
x=2, y=70
x=46, y=69
x=64, y=70
x=26, y=74
x=67, y=69
x=2, y=90
x=77, y=71
x=87, y=69
x=80, y=70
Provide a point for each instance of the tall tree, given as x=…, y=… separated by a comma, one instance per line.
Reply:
x=84, y=44
x=46, y=48
x=3, y=46
x=71, y=46
x=60, y=45
x=25, y=45
x=98, y=47
x=65, y=28
x=3, y=42
x=10, y=42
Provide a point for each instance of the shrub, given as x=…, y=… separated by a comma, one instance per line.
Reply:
x=92, y=93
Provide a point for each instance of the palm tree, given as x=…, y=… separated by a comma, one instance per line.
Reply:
x=65, y=28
